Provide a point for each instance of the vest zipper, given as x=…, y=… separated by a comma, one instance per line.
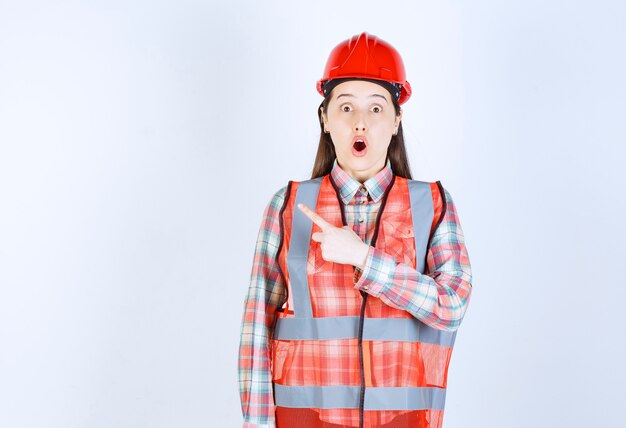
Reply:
x=362, y=365
x=363, y=293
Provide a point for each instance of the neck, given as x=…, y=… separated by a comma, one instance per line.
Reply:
x=363, y=175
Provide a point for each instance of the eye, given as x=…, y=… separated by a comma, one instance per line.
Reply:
x=343, y=106
x=379, y=109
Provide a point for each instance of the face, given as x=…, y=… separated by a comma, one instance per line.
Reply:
x=359, y=109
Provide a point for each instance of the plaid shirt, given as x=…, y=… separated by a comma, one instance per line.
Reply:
x=438, y=299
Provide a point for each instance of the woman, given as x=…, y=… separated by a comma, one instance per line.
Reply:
x=361, y=276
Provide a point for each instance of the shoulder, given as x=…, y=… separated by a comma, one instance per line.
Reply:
x=448, y=200
x=438, y=190
x=450, y=222
x=271, y=213
x=443, y=202
x=277, y=199
x=446, y=193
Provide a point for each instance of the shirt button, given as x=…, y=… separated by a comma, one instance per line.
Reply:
x=361, y=219
x=364, y=288
x=364, y=189
x=363, y=201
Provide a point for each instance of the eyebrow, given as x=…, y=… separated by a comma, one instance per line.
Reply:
x=351, y=95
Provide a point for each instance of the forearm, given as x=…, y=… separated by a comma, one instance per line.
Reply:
x=438, y=298
x=254, y=368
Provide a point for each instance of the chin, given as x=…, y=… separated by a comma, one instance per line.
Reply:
x=360, y=163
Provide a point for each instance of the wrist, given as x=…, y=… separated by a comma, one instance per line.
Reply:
x=363, y=256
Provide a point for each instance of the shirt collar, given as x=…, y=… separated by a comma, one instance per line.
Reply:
x=348, y=186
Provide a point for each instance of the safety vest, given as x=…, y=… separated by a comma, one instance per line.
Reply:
x=341, y=357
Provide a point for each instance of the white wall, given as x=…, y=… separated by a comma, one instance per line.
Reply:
x=140, y=143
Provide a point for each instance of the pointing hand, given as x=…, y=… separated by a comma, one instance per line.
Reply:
x=339, y=244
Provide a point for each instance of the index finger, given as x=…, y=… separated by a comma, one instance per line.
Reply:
x=315, y=217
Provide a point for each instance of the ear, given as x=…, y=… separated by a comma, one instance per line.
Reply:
x=324, y=118
x=397, y=122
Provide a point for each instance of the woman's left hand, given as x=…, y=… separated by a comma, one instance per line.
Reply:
x=339, y=244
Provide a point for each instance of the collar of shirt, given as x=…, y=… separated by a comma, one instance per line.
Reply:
x=348, y=186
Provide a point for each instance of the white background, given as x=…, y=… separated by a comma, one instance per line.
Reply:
x=141, y=141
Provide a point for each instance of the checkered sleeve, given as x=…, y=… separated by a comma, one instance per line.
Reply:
x=266, y=294
x=439, y=298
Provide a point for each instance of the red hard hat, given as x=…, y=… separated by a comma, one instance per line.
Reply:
x=366, y=56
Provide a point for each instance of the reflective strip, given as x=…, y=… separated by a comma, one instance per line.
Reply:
x=422, y=211
x=404, y=398
x=299, y=247
x=396, y=329
x=376, y=398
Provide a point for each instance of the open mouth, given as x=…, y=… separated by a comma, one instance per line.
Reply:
x=359, y=146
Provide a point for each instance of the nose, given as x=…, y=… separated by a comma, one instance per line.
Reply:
x=360, y=124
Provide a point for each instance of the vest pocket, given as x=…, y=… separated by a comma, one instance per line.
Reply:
x=399, y=242
x=280, y=349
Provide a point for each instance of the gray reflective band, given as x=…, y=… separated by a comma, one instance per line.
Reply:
x=304, y=327
x=376, y=398
x=396, y=329
x=422, y=212
x=299, y=247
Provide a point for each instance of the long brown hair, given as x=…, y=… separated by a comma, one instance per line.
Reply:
x=326, y=155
